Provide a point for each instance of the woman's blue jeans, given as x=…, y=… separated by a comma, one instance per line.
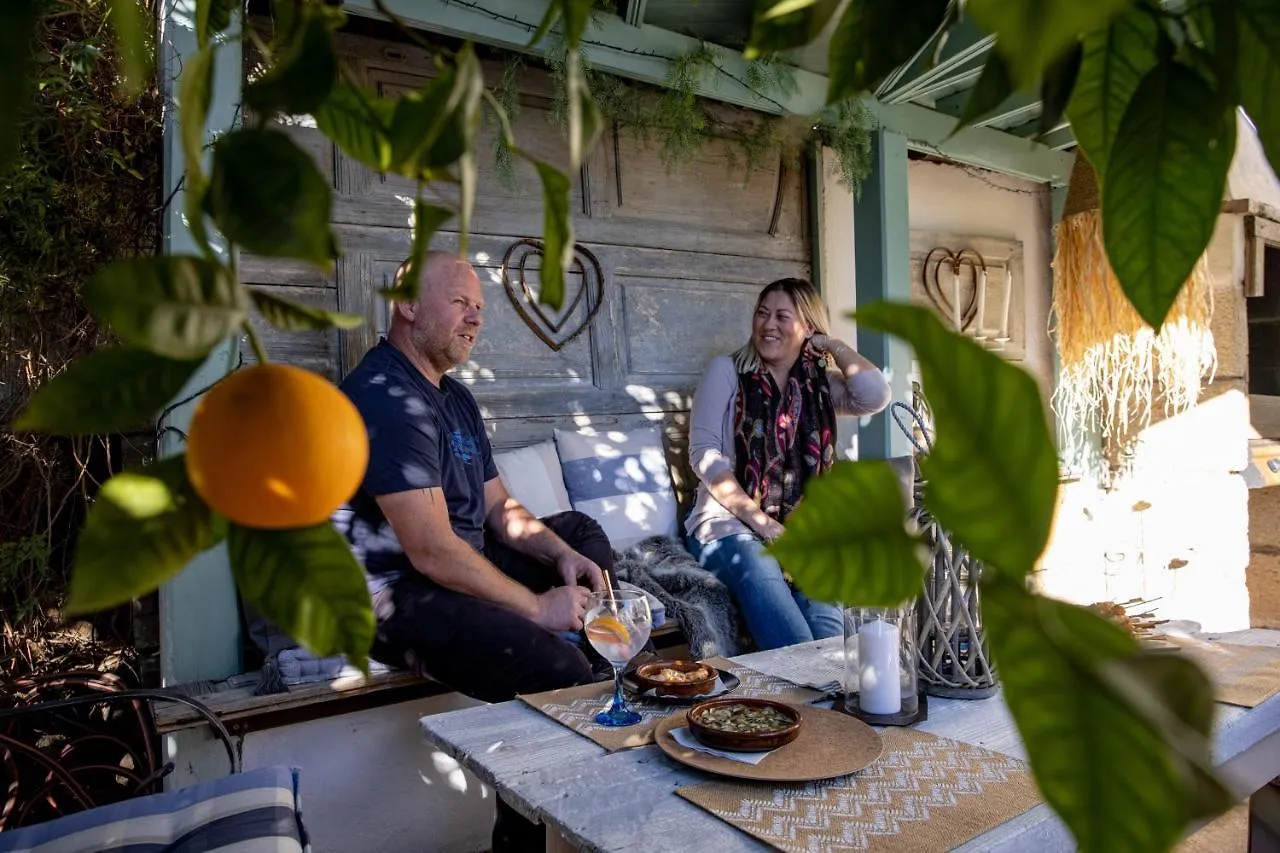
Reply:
x=775, y=615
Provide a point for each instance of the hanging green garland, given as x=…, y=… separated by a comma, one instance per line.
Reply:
x=680, y=123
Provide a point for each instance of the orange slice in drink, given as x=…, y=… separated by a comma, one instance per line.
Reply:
x=607, y=629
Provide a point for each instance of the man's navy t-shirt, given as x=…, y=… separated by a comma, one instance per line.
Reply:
x=420, y=437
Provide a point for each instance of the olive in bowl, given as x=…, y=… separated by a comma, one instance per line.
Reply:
x=744, y=725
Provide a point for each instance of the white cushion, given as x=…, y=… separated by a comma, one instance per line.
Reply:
x=621, y=480
x=532, y=476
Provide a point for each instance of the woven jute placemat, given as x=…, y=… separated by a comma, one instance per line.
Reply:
x=1242, y=675
x=924, y=794
x=830, y=744
x=576, y=707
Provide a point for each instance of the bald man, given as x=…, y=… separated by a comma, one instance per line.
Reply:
x=468, y=586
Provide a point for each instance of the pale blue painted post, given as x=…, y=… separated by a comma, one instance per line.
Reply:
x=199, y=620
x=882, y=269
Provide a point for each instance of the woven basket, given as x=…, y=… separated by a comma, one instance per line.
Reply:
x=954, y=659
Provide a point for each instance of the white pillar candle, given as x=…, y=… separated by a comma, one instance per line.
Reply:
x=955, y=297
x=1008, y=297
x=979, y=322
x=879, y=691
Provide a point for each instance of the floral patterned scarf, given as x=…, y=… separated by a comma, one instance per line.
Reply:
x=782, y=437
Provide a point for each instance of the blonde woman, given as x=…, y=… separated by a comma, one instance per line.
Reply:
x=763, y=423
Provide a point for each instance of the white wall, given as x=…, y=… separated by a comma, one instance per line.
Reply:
x=369, y=780
x=974, y=202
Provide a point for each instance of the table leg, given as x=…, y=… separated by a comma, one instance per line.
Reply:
x=557, y=843
x=1264, y=818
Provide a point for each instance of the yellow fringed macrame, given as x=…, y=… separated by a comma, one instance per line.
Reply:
x=1114, y=367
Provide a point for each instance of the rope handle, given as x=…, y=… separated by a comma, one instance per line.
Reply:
x=894, y=411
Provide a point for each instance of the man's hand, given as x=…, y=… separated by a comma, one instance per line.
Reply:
x=574, y=568
x=562, y=608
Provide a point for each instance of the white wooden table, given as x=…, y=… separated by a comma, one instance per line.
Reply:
x=593, y=800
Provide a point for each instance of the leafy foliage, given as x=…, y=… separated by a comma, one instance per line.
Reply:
x=1117, y=740
x=993, y=469
x=143, y=529
x=850, y=533
x=82, y=190
x=1120, y=776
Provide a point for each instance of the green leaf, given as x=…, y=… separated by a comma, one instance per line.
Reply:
x=994, y=86
x=434, y=127
x=143, y=528
x=289, y=316
x=992, y=476
x=848, y=541
x=1105, y=766
x=1258, y=72
x=17, y=45
x=267, y=195
x=195, y=93
x=133, y=25
x=873, y=38
x=302, y=76
x=557, y=232
x=1033, y=33
x=175, y=306
x=109, y=390
x=427, y=219
x=360, y=123
x=307, y=582
x=469, y=117
x=1164, y=185
x=576, y=15
x=549, y=19
x=585, y=120
x=1115, y=60
x=1056, y=87
x=783, y=24
x=212, y=17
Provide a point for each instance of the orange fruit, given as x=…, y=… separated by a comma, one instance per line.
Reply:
x=274, y=446
x=607, y=629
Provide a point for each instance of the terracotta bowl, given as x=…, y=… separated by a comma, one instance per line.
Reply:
x=742, y=741
x=647, y=676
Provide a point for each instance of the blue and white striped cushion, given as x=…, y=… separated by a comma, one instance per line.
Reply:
x=251, y=812
x=620, y=479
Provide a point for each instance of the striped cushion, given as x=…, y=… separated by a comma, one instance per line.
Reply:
x=621, y=480
x=251, y=812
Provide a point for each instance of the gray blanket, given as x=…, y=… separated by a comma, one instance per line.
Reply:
x=692, y=596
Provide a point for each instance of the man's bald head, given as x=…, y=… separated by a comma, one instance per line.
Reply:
x=441, y=325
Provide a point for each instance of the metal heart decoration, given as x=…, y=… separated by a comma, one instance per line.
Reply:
x=930, y=271
x=551, y=328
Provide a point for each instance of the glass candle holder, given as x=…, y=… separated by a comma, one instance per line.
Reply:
x=880, y=661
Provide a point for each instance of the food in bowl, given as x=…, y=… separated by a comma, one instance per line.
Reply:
x=672, y=675
x=751, y=725
x=746, y=719
x=677, y=678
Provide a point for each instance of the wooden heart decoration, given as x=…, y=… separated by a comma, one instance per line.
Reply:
x=930, y=271
x=550, y=328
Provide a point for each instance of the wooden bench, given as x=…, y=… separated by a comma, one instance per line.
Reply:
x=242, y=712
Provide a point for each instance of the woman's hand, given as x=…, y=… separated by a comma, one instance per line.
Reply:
x=827, y=345
x=820, y=343
x=768, y=529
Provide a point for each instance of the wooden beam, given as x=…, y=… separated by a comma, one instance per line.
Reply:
x=930, y=131
x=966, y=49
x=644, y=53
x=611, y=44
x=635, y=12
x=882, y=271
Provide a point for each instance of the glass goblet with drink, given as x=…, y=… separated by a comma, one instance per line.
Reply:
x=617, y=625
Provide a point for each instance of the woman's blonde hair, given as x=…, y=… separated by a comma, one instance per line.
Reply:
x=809, y=305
